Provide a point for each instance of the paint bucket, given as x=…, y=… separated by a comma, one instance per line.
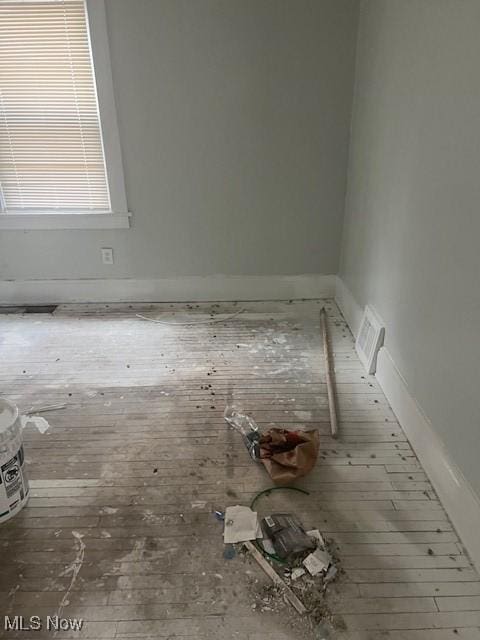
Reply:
x=13, y=479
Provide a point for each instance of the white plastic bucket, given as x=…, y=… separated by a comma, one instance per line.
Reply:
x=14, y=488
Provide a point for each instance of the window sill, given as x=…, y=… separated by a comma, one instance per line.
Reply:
x=64, y=220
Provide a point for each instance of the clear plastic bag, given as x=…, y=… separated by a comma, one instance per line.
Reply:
x=239, y=421
x=247, y=426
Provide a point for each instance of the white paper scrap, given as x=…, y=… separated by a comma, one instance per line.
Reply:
x=40, y=423
x=297, y=573
x=316, y=562
x=315, y=533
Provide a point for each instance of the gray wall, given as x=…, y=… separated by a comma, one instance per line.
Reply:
x=412, y=229
x=234, y=121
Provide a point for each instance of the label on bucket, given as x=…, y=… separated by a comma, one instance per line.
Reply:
x=13, y=484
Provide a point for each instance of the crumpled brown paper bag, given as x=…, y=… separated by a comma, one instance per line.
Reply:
x=288, y=455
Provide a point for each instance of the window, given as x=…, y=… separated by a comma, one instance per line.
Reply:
x=53, y=169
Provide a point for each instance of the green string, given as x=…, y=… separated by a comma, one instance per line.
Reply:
x=268, y=491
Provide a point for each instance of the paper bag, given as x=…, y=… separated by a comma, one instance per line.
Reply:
x=288, y=455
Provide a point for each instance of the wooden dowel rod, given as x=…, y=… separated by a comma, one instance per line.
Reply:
x=329, y=374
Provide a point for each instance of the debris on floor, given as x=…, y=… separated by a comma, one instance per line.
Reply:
x=297, y=573
x=241, y=524
x=37, y=421
x=44, y=409
x=315, y=533
x=287, y=536
x=297, y=561
x=191, y=322
x=247, y=427
x=330, y=575
x=286, y=455
x=317, y=562
x=229, y=552
x=276, y=579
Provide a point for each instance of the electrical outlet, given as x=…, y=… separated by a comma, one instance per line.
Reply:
x=107, y=255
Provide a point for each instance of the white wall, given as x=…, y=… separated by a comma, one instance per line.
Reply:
x=412, y=228
x=234, y=120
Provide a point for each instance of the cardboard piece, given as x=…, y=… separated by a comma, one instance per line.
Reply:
x=241, y=524
x=288, y=455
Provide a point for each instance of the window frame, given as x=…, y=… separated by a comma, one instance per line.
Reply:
x=118, y=217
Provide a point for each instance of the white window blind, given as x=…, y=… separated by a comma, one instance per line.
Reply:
x=51, y=152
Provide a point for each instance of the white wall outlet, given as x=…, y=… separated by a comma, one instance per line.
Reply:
x=107, y=255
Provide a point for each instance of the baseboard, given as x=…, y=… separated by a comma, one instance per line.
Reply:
x=351, y=310
x=182, y=289
x=457, y=496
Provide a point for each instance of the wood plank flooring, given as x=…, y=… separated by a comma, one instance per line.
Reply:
x=119, y=527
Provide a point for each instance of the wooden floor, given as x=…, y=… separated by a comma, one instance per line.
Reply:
x=119, y=528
